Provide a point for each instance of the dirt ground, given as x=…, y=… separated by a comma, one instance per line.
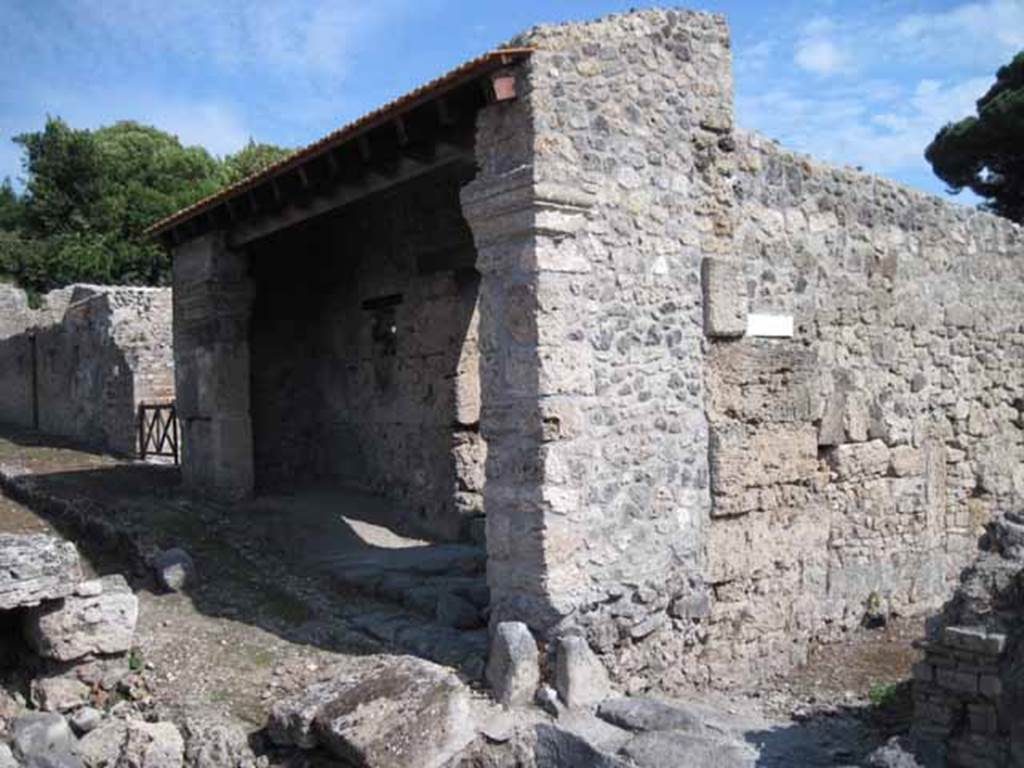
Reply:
x=256, y=623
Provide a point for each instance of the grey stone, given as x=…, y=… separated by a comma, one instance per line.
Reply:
x=644, y=714
x=212, y=742
x=58, y=694
x=36, y=567
x=974, y=639
x=152, y=745
x=401, y=711
x=725, y=298
x=85, y=719
x=559, y=748
x=513, y=666
x=101, y=747
x=53, y=760
x=580, y=678
x=133, y=744
x=895, y=753
x=7, y=759
x=89, y=588
x=35, y=733
x=78, y=626
x=455, y=611
x=658, y=749
x=173, y=568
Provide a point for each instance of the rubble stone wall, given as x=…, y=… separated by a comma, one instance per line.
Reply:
x=590, y=230
x=855, y=464
x=700, y=503
x=98, y=352
x=365, y=356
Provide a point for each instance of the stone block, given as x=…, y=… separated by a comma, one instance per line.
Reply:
x=725, y=298
x=742, y=457
x=990, y=686
x=857, y=461
x=36, y=567
x=58, y=694
x=762, y=382
x=513, y=669
x=401, y=712
x=975, y=639
x=957, y=681
x=77, y=626
x=580, y=678
x=906, y=461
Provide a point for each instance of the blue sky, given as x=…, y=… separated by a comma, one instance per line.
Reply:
x=864, y=82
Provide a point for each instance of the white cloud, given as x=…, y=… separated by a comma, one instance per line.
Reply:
x=885, y=136
x=215, y=126
x=818, y=52
x=270, y=36
x=871, y=88
x=957, y=32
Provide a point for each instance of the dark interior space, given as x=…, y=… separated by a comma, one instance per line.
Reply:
x=364, y=360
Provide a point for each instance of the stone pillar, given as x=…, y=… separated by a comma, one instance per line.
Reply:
x=530, y=371
x=212, y=299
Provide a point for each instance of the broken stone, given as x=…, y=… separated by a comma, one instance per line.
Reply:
x=895, y=753
x=58, y=694
x=580, y=678
x=513, y=669
x=402, y=712
x=559, y=748
x=658, y=749
x=547, y=699
x=133, y=743
x=640, y=714
x=173, y=568
x=90, y=588
x=77, y=626
x=152, y=745
x=215, y=743
x=85, y=719
x=35, y=734
x=36, y=567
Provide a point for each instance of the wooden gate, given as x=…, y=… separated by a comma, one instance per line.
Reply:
x=158, y=430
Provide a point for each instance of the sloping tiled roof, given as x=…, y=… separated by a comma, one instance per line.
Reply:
x=466, y=71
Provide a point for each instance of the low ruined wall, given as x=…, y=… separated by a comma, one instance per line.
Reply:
x=969, y=687
x=365, y=358
x=97, y=352
x=855, y=464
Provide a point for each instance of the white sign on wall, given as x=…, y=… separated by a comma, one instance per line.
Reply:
x=772, y=326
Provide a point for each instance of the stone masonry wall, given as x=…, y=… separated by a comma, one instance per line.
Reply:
x=590, y=218
x=699, y=503
x=364, y=357
x=99, y=352
x=855, y=464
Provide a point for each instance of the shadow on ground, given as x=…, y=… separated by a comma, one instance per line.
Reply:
x=303, y=567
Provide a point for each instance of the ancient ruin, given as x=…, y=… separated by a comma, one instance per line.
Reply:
x=698, y=406
x=712, y=399
x=79, y=366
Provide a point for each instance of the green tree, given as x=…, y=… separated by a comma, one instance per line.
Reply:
x=250, y=159
x=11, y=212
x=985, y=153
x=90, y=194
